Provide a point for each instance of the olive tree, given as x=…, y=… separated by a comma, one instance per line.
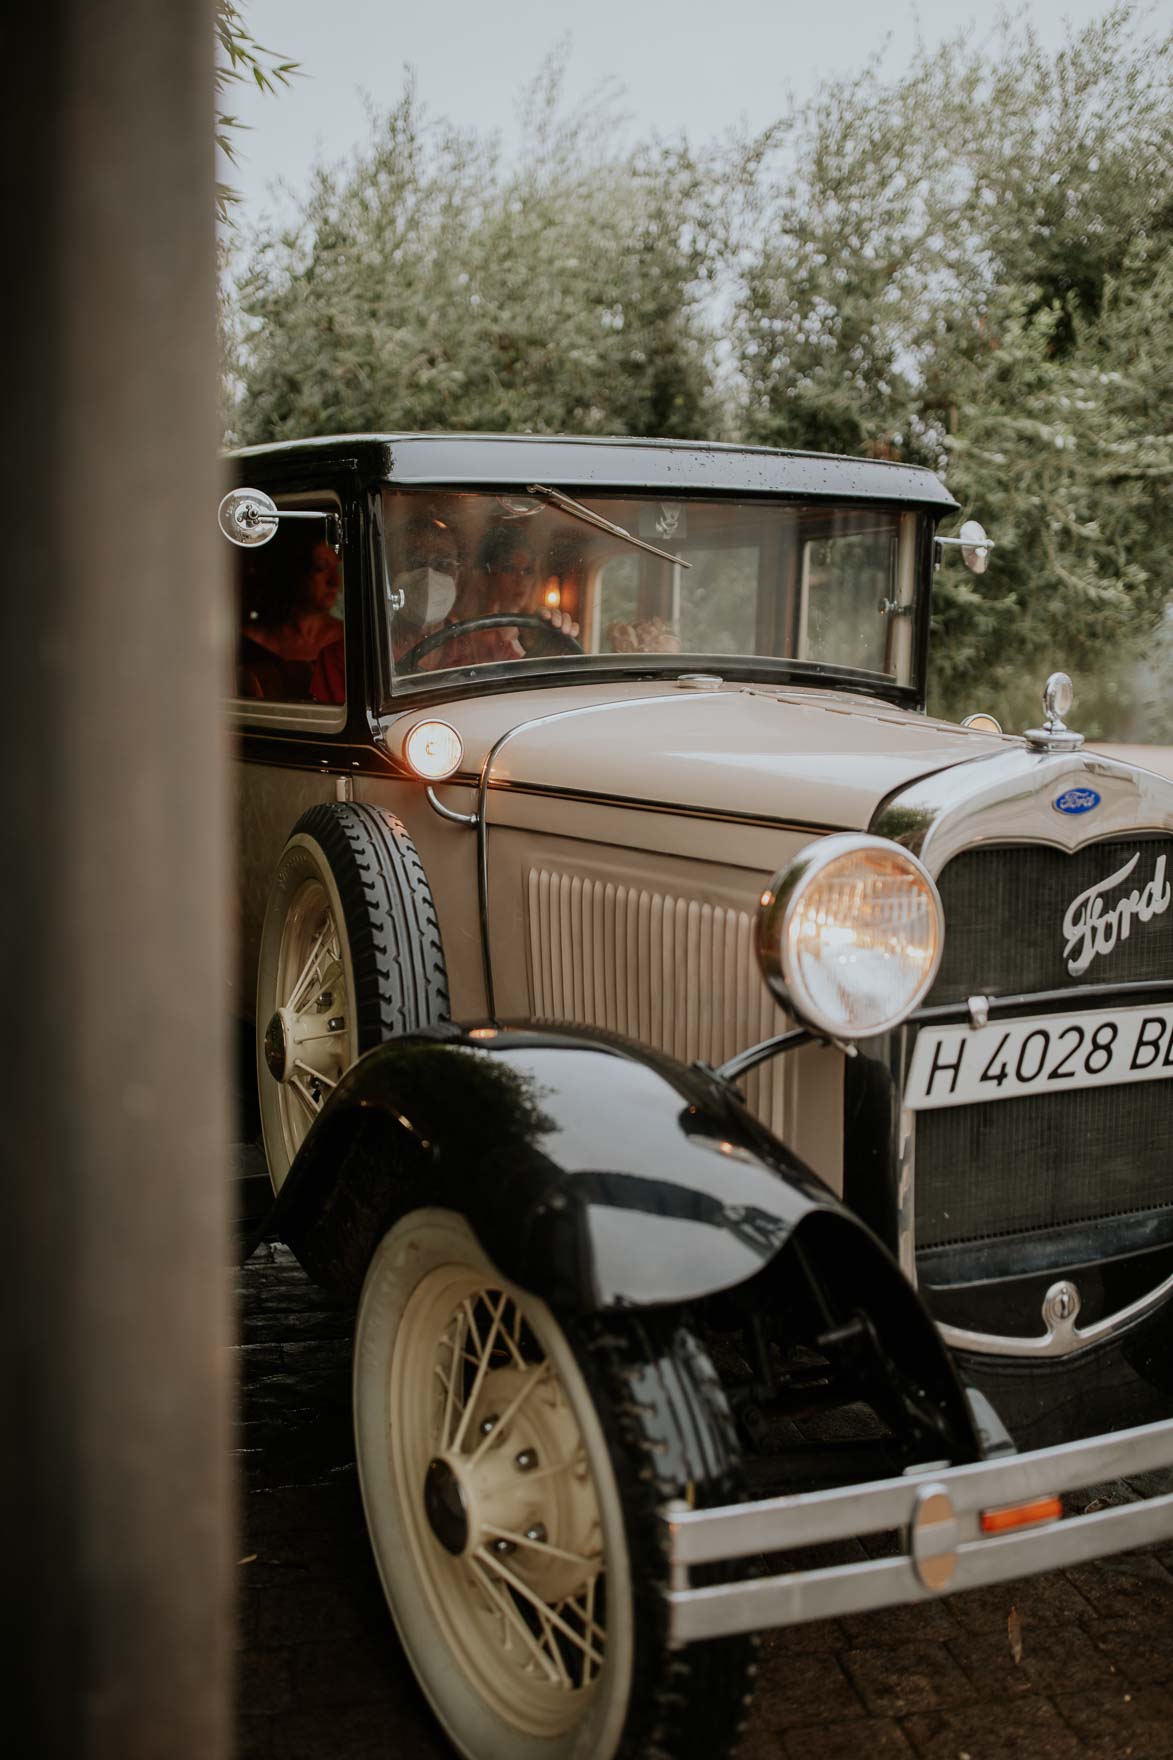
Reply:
x=964, y=263
x=428, y=284
x=968, y=265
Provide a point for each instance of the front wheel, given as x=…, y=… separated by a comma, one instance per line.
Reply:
x=512, y=1472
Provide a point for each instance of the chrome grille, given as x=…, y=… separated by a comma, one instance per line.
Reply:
x=1043, y=1162
x=1004, y=910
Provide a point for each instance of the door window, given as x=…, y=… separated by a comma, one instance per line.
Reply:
x=290, y=646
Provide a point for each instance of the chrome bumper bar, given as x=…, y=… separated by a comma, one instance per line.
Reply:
x=937, y=1513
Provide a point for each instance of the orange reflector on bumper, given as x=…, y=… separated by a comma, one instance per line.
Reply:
x=1021, y=1515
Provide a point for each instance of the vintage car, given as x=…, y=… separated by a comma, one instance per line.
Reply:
x=738, y=1105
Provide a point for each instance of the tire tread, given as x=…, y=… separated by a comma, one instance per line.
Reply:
x=400, y=978
x=672, y=1436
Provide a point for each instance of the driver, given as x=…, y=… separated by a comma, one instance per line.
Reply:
x=423, y=592
x=504, y=581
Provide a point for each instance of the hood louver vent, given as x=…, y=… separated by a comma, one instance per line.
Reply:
x=671, y=972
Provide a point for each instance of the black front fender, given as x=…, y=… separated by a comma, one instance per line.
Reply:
x=594, y=1172
x=600, y=1175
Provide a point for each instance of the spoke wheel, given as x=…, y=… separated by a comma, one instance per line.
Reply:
x=309, y=1039
x=350, y=956
x=514, y=1469
x=506, y=1535
x=492, y=1505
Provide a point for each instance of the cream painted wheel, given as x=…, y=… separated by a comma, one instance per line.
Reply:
x=306, y=1023
x=309, y=1040
x=492, y=1503
x=350, y=956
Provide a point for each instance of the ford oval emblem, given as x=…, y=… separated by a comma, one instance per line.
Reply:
x=1076, y=800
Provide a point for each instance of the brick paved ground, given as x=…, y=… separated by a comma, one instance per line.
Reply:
x=321, y=1676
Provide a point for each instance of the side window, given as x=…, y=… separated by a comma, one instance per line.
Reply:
x=290, y=645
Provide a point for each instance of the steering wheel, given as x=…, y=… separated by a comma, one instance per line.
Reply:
x=497, y=620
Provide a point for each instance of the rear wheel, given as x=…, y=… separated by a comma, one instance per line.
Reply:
x=350, y=956
x=512, y=1471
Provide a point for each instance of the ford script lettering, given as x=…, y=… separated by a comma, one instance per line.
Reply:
x=1093, y=927
x=1076, y=800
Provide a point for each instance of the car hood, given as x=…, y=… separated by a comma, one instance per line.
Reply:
x=813, y=758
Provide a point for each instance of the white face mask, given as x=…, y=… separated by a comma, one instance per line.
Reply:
x=424, y=595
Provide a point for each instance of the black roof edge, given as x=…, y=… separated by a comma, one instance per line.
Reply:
x=624, y=462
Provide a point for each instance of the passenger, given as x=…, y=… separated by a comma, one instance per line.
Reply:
x=283, y=653
x=651, y=635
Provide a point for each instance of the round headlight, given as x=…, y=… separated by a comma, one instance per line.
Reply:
x=850, y=935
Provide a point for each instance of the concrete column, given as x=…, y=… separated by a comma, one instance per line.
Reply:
x=113, y=1122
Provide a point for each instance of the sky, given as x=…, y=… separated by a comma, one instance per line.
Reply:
x=699, y=67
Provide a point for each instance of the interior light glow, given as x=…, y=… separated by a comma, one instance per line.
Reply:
x=432, y=750
x=553, y=595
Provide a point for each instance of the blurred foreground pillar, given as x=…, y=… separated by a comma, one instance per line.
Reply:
x=112, y=943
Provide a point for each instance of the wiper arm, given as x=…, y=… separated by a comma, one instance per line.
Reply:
x=578, y=511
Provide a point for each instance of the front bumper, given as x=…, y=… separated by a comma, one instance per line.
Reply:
x=937, y=1513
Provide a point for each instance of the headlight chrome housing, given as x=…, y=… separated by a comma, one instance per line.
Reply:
x=850, y=935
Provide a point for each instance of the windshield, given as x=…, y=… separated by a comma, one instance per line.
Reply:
x=521, y=580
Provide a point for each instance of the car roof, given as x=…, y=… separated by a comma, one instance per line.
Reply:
x=667, y=466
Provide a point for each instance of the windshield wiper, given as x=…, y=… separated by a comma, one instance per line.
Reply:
x=578, y=511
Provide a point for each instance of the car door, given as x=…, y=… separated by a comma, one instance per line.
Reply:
x=292, y=695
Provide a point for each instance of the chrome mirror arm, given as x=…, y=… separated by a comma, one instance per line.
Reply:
x=248, y=518
x=974, y=545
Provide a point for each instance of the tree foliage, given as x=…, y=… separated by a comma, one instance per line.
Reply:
x=965, y=263
x=429, y=285
x=969, y=266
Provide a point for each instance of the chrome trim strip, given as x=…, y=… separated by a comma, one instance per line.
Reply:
x=726, y=1608
x=449, y=813
x=1133, y=990
x=640, y=804
x=738, y=1530
x=252, y=715
x=1062, y=1337
x=995, y=800
x=852, y=1511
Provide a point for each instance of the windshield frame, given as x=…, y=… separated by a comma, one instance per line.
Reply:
x=397, y=692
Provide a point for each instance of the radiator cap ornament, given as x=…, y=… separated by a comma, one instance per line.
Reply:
x=1054, y=735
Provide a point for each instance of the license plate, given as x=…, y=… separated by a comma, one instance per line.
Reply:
x=957, y=1066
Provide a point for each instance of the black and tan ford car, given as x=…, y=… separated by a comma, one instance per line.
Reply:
x=739, y=1106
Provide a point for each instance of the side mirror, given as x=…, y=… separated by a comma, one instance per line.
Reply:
x=974, y=545
x=248, y=517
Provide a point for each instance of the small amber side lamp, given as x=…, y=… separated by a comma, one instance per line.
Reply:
x=432, y=750
x=1030, y=1514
